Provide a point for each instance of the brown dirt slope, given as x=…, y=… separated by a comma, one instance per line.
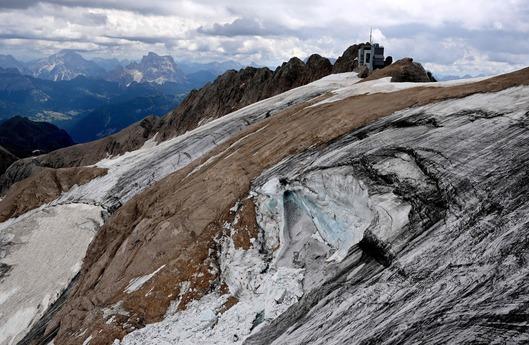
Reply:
x=174, y=222
x=44, y=187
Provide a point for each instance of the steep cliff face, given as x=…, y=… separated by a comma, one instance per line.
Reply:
x=348, y=193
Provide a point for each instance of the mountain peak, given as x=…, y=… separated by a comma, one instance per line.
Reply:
x=9, y=62
x=66, y=64
x=63, y=52
x=153, y=57
x=152, y=68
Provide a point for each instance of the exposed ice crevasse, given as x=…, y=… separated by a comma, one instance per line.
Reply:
x=338, y=205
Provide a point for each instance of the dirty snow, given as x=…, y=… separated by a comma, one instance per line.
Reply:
x=47, y=245
x=45, y=248
x=263, y=291
x=384, y=85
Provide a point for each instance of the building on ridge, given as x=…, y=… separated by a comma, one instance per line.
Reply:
x=371, y=55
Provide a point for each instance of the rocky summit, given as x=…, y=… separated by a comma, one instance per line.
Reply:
x=301, y=205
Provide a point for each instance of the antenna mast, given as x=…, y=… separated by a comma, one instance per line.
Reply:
x=371, y=36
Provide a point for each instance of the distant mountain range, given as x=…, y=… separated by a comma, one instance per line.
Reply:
x=65, y=65
x=8, y=61
x=152, y=68
x=95, y=98
x=67, y=102
x=443, y=77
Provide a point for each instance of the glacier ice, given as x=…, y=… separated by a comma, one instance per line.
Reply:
x=336, y=202
x=45, y=249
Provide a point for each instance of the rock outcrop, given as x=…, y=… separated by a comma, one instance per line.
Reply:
x=402, y=71
x=346, y=62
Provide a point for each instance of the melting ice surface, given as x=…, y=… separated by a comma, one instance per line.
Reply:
x=339, y=206
x=132, y=172
x=45, y=248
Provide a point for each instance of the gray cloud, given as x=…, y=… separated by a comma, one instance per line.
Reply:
x=17, y=4
x=246, y=27
x=442, y=35
x=142, y=39
x=141, y=6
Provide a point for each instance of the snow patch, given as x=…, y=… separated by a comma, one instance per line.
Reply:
x=12, y=325
x=48, y=246
x=384, y=85
x=136, y=283
x=87, y=340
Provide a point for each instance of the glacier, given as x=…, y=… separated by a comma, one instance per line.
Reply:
x=326, y=214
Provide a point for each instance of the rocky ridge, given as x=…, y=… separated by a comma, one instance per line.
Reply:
x=229, y=92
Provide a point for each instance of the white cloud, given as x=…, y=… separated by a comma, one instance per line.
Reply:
x=442, y=34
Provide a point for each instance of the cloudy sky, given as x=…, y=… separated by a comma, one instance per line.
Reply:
x=450, y=37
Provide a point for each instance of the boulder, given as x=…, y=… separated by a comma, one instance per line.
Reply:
x=404, y=70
